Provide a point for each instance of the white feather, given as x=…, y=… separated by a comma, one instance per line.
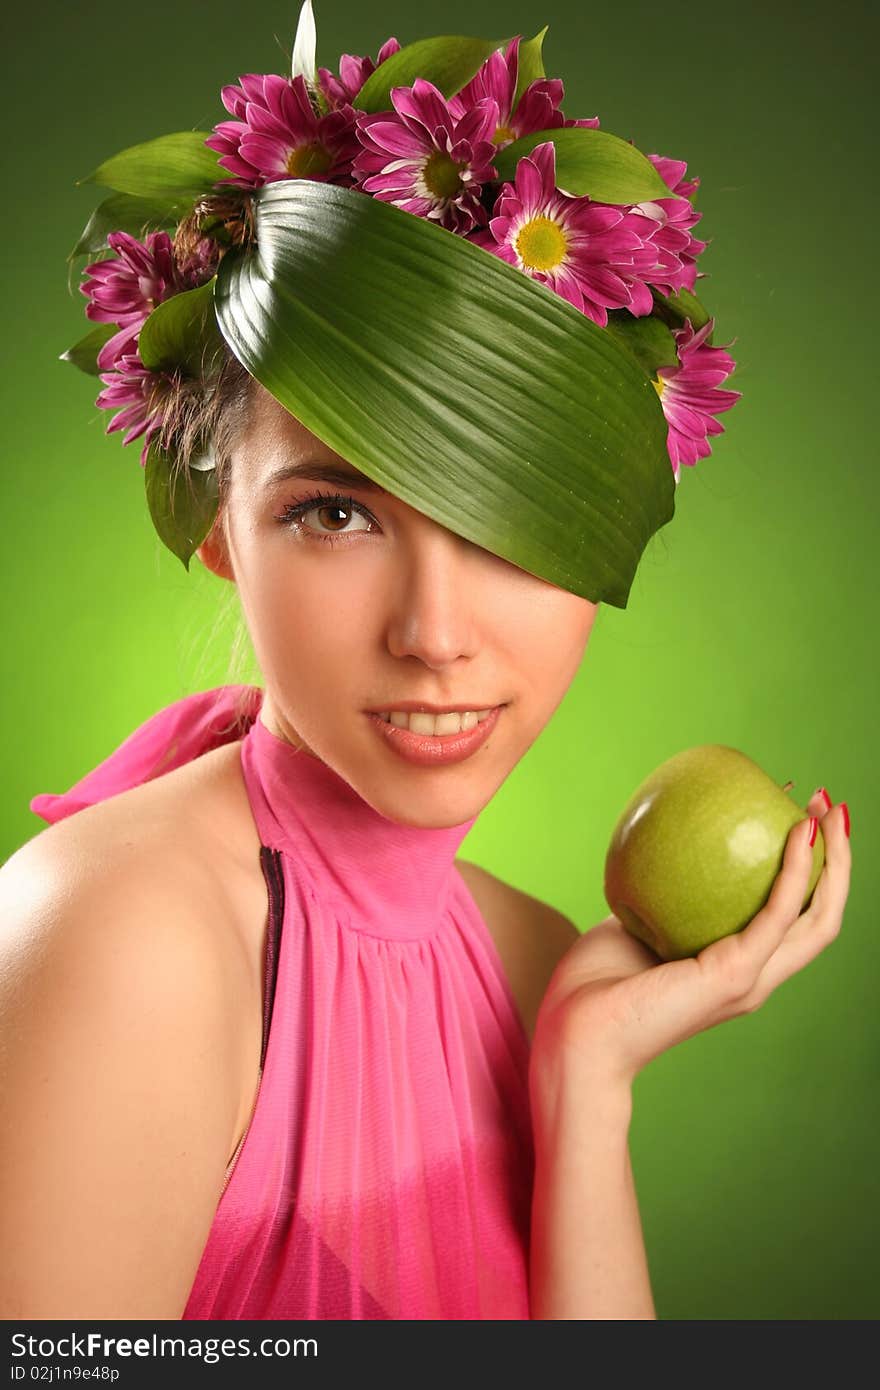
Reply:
x=305, y=44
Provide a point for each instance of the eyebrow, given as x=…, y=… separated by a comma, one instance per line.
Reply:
x=323, y=472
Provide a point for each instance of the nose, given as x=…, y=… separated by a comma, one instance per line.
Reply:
x=434, y=608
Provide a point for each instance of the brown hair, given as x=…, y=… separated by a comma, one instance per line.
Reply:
x=219, y=420
x=222, y=416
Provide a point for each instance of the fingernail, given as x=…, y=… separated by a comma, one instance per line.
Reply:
x=845, y=809
x=814, y=826
x=820, y=791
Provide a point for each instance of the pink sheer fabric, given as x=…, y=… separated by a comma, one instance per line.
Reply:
x=387, y=1168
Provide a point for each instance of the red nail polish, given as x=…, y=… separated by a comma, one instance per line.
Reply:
x=814, y=826
x=845, y=809
x=820, y=791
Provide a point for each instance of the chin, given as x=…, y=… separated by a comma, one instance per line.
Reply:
x=422, y=820
x=415, y=805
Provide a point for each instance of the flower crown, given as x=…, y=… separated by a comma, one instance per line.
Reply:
x=465, y=134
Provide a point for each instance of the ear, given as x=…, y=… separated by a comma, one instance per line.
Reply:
x=214, y=551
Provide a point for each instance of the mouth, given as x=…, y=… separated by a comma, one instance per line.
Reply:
x=429, y=739
x=424, y=720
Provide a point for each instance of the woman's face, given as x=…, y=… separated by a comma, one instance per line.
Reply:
x=361, y=604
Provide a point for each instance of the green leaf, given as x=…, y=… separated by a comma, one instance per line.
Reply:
x=182, y=332
x=675, y=308
x=183, y=502
x=648, y=339
x=122, y=212
x=171, y=166
x=84, y=354
x=317, y=93
x=592, y=162
x=458, y=383
x=449, y=61
x=531, y=64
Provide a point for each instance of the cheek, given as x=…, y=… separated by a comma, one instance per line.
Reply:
x=313, y=614
x=552, y=640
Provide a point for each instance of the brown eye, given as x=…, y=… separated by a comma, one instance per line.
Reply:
x=333, y=515
x=322, y=517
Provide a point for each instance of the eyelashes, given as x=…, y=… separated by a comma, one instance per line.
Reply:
x=292, y=515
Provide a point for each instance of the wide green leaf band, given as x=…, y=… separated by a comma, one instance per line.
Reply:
x=463, y=386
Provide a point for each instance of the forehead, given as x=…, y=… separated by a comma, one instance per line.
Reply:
x=279, y=447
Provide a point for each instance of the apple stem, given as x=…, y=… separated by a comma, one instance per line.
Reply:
x=788, y=786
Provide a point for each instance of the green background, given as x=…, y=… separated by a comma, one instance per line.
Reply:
x=751, y=622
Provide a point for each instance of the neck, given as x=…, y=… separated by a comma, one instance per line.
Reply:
x=385, y=878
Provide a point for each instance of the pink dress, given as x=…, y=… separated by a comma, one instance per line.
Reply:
x=387, y=1168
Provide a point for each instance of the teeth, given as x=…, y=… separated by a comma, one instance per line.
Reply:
x=452, y=723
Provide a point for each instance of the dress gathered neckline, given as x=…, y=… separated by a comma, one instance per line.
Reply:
x=387, y=1166
x=391, y=880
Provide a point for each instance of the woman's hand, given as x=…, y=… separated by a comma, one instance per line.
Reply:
x=612, y=1006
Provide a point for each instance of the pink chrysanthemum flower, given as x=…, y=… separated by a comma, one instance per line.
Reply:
x=691, y=397
x=126, y=287
x=537, y=108
x=426, y=160
x=278, y=135
x=135, y=394
x=672, y=172
x=673, y=218
x=353, y=73
x=583, y=250
x=654, y=264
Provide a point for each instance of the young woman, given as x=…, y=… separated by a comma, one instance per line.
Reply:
x=272, y=1050
x=426, y=1032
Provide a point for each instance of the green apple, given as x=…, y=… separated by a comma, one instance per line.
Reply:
x=697, y=847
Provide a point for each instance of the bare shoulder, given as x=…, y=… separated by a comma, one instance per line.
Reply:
x=188, y=836
x=195, y=815
x=530, y=935
x=122, y=1077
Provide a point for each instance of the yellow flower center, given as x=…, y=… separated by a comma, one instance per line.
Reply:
x=307, y=160
x=503, y=132
x=541, y=244
x=658, y=386
x=441, y=175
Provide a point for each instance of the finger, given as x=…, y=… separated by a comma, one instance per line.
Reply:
x=767, y=928
x=832, y=888
x=833, y=885
x=735, y=962
x=816, y=928
x=819, y=804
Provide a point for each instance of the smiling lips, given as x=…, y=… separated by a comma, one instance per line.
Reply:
x=425, y=722
x=429, y=739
